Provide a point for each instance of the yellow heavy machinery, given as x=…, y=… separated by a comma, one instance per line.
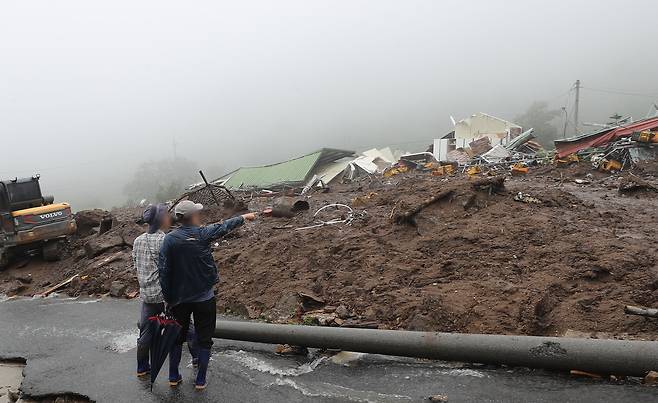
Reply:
x=30, y=221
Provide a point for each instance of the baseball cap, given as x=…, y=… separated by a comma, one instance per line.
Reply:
x=186, y=207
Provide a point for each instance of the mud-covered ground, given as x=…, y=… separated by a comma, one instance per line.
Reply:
x=564, y=259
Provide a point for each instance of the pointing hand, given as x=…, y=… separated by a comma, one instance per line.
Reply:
x=249, y=216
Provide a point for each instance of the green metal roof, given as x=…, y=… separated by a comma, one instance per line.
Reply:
x=292, y=172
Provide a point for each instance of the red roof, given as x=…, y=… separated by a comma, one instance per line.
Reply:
x=605, y=137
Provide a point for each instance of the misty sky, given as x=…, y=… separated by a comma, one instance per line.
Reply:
x=90, y=89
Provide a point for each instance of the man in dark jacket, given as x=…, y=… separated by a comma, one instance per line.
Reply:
x=188, y=276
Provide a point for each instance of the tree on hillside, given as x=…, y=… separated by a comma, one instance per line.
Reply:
x=540, y=117
x=159, y=181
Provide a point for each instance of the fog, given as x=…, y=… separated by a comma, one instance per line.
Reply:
x=89, y=90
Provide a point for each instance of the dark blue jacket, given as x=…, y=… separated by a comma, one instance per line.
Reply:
x=187, y=268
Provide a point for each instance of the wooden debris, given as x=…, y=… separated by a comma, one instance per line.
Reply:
x=360, y=325
x=108, y=260
x=408, y=217
x=59, y=285
x=575, y=372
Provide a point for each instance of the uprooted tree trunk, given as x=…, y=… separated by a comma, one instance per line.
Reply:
x=408, y=216
x=636, y=310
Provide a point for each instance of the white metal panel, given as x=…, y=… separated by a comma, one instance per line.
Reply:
x=441, y=149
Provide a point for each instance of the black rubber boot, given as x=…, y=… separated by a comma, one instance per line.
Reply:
x=143, y=367
x=204, y=359
x=175, y=377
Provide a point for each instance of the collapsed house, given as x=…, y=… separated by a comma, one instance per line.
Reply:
x=604, y=137
x=322, y=167
x=292, y=173
x=482, y=138
x=371, y=162
x=480, y=125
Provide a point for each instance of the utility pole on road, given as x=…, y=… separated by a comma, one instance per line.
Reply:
x=575, y=113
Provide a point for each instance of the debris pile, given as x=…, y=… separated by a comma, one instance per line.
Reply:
x=453, y=254
x=559, y=250
x=484, y=232
x=483, y=143
x=616, y=147
x=97, y=258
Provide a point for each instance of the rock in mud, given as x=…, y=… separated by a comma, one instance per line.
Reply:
x=118, y=289
x=129, y=231
x=310, y=300
x=14, y=288
x=25, y=278
x=321, y=319
x=342, y=312
x=13, y=395
x=285, y=308
x=102, y=243
x=87, y=220
x=651, y=378
x=632, y=184
x=287, y=349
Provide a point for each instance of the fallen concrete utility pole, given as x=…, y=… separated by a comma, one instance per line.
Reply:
x=618, y=357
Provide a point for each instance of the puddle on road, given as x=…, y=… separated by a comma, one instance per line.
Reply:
x=123, y=342
x=274, y=371
x=251, y=361
x=11, y=377
x=266, y=370
x=119, y=341
x=325, y=389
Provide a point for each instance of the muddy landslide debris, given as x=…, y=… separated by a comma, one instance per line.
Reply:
x=442, y=253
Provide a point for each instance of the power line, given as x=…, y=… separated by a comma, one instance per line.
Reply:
x=622, y=92
x=566, y=94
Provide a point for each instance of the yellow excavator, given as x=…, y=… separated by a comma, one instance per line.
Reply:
x=30, y=221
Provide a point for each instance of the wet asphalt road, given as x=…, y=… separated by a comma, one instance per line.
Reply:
x=87, y=347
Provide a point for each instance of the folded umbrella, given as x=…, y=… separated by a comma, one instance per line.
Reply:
x=164, y=331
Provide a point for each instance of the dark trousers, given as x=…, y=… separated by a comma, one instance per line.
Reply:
x=144, y=340
x=148, y=310
x=205, y=315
